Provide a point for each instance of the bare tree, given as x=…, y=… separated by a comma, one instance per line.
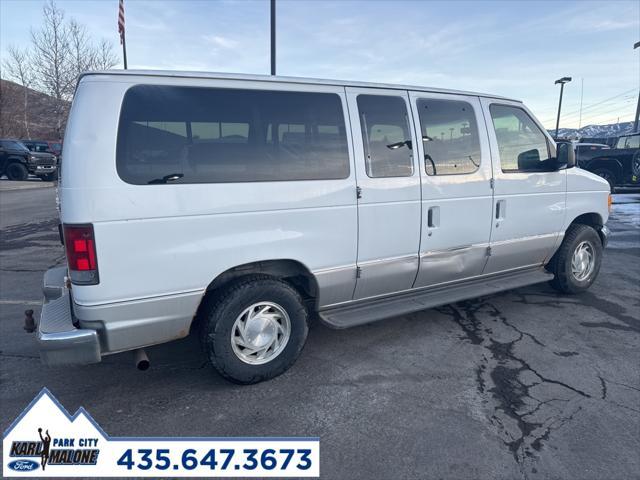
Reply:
x=10, y=111
x=18, y=67
x=61, y=49
x=82, y=52
x=103, y=57
x=52, y=53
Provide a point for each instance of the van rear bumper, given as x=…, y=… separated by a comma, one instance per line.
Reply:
x=61, y=342
x=70, y=333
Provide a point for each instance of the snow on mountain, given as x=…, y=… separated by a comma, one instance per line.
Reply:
x=595, y=131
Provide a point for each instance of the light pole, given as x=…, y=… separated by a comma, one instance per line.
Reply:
x=560, y=81
x=273, y=37
x=635, y=124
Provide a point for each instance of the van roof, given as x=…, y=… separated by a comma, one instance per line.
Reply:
x=281, y=79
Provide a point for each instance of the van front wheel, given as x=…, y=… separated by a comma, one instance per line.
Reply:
x=577, y=262
x=255, y=329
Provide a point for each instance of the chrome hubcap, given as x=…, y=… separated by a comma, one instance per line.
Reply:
x=583, y=261
x=260, y=333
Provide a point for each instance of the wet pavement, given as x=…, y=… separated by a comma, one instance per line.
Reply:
x=524, y=384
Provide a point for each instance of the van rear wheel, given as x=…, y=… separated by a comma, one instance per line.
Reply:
x=577, y=262
x=255, y=329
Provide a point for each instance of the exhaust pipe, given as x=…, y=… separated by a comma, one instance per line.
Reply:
x=141, y=360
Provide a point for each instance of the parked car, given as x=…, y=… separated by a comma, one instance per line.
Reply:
x=620, y=166
x=610, y=141
x=17, y=162
x=37, y=146
x=55, y=147
x=238, y=206
x=587, y=151
x=42, y=151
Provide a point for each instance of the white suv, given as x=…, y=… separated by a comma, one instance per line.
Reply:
x=243, y=205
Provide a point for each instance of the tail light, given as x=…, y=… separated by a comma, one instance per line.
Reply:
x=80, y=244
x=609, y=203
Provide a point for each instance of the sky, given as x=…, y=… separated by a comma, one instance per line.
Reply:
x=510, y=48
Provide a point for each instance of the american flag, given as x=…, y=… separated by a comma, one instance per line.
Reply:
x=121, y=21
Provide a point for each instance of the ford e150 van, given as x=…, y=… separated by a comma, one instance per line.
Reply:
x=241, y=206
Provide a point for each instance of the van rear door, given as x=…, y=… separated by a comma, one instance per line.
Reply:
x=388, y=183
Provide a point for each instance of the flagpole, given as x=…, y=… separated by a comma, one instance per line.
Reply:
x=124, y=50
x=121, y=31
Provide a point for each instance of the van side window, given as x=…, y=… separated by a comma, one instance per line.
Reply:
x=386, y=136
x=521, y=144
x=222, y=132
x=450, y=137
x=213, y=135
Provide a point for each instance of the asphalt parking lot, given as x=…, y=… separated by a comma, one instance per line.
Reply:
x=525, y=384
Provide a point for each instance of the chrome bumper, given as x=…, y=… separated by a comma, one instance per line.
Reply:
x=61, y=343
x=35, y=169
x=604, y=233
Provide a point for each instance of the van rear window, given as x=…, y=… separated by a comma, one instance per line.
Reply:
x=210, y=135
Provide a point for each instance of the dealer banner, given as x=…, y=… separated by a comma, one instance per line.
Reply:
x=45, y=441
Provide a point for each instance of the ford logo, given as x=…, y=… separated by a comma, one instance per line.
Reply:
x=23, y=465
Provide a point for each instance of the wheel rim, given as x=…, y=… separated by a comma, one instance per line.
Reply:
x=583, y=261
x=260, y=333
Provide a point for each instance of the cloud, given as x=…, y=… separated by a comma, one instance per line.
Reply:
x=219, y=41
x=596, y=23
x=148, y=26
x=515, y=49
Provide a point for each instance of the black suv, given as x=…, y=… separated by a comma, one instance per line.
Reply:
x=620, y=166
x=42, y=151
x=37, y=146
x=17, y=162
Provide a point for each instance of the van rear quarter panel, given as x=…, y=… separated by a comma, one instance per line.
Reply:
x=156, y=240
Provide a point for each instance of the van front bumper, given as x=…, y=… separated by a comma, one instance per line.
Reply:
x=61, y=342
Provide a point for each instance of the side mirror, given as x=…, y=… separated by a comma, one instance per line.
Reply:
x=565, y=156
x=529, y=160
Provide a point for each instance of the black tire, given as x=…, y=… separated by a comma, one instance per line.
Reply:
x=609, y=176
x=17, y=171
x=220, y=314
x=49, y=177
x=564, y=279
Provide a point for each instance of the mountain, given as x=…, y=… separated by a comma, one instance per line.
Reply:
x=44, y=113
x=595, y=131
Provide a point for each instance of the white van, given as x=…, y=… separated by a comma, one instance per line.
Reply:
x=244, y=205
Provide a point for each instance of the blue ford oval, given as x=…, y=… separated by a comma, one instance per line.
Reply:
x=23, y=465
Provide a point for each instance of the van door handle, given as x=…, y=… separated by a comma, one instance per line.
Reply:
x=501, y=211
x=433, y=217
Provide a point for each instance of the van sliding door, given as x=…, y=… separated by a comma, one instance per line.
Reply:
x=456, y=187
